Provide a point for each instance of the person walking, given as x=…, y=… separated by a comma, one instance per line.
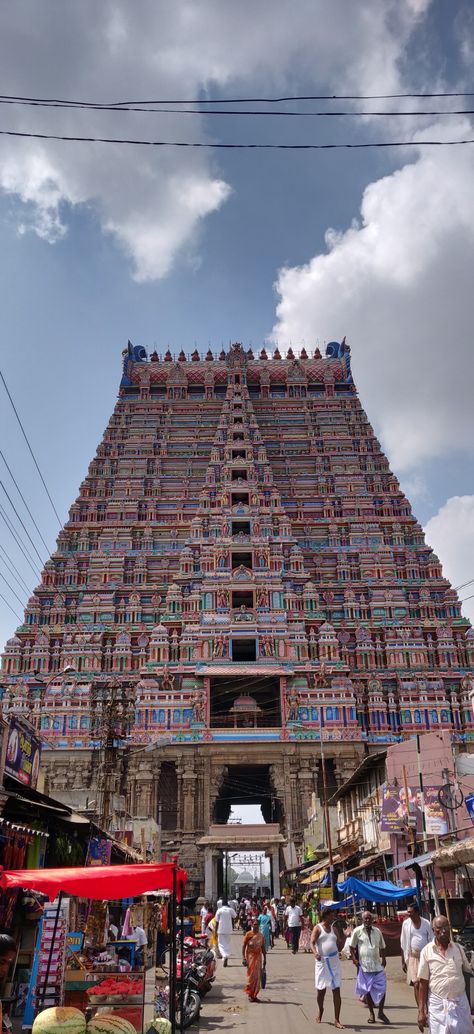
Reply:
x=254, y=956
x=442, y=998
x=327, y=967
x=305, y=935
x=416, y=934
x=224, y=917
x=265, y=924
x=293, y=915
x=368, y=954
x=203, y=914
x=281, y=908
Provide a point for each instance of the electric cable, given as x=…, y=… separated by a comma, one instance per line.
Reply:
x=246, y=100
x=20, y=545
x=210, y=145
x=2, y=597
x=22, y=588
x=20, y=493
x=2, y=576
x=463, y=585
x=84, y=106
x=29, y=447
x=25, y=529
x=12, y=567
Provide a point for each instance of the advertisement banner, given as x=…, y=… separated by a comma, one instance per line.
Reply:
x=23, y=755
x=398, y=814
x=99, y=852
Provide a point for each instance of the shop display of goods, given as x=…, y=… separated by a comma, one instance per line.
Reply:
x=109, y=1023
x=160, y=1026
x=60, y=1020
x=117, y=990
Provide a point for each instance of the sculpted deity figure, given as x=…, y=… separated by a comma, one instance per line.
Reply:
x=293, y=701
x=167, y=680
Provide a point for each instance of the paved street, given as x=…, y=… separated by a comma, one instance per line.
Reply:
x=289, y=1001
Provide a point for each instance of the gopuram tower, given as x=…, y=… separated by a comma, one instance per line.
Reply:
x=241, y=560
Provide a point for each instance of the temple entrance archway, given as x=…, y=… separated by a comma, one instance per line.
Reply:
x=248, y=784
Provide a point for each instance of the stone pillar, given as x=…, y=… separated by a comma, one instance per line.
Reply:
x=208, y=874
x=275, y=868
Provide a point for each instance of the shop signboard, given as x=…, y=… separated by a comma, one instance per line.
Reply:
x=469, y=802
x=75, y=941
x=23, y=754
x=398, y=812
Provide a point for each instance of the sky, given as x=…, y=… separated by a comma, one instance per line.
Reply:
x=176, y=248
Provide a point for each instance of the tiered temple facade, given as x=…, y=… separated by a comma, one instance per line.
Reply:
x=241, y=555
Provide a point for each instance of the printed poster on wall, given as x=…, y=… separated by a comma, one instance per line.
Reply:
x=398, y=813
x=23, y=755
x=99, y=852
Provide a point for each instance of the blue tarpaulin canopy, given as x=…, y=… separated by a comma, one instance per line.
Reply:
x=375, y=890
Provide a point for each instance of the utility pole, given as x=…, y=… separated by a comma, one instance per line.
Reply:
x=326, y=806
x=112, y=708
x=422, y=793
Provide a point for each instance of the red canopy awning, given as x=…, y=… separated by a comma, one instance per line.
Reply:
x=101, y=881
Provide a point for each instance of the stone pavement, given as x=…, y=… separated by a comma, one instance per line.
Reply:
x=288, y=1003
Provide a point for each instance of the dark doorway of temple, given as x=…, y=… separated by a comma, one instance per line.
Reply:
x=248, y=784
x=245, y=702
x=168, y=796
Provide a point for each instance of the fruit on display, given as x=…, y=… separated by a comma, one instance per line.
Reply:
x=60, y=1020
x=121, y=988
x=160, y=1025
x=109, y=1023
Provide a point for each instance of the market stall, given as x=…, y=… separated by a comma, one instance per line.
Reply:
x=380, y=892
x=98, y=884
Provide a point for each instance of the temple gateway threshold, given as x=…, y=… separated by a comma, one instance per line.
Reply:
x=242, y=570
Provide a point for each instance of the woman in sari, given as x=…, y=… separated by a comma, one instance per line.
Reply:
x=305, y=935
x=254, y=957
x=265, y=924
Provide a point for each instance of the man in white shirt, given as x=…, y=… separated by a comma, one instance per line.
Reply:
x=203, y=914
x=443, y=1001
x=224, y=917
x=293, y=915
x=416, y=934
x=368, y=954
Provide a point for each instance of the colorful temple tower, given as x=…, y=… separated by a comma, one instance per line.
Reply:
x=242, y=559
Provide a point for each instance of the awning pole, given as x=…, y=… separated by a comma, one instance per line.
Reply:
x=172, y=1009
x=181, y=946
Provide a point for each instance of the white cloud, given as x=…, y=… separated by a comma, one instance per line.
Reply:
x=451, y=534
x=153, y=202
x=398, y=283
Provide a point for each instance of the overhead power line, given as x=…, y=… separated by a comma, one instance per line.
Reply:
x=12, y=568
x=25, y=529
x=2, y=576
x=2, y=597
x=464, y=584
x=76, y=106
x=29, y=447
x=232, y=147
x=20, y=493
x=240, y=100
x=23, y=549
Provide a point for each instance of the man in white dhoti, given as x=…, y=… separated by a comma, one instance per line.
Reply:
x=416, y=933
x=224, y=917
x=443, y=1002
x=368, y=953
x=328, y=967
